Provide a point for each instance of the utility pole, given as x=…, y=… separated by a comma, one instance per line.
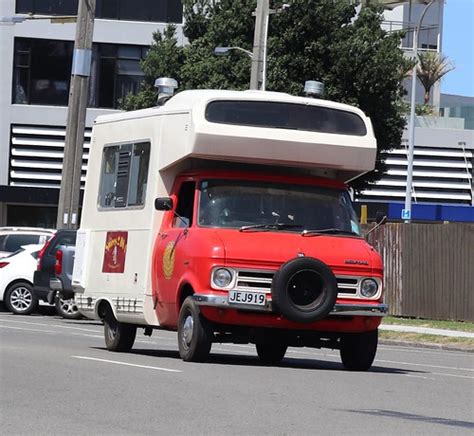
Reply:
x=262, y=12
x=406, y=212
x=69, y=194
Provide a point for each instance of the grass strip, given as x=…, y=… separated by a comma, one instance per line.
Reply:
x=416, y=322
x=417, y=338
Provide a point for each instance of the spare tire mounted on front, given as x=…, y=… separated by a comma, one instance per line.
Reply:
x=304, y=290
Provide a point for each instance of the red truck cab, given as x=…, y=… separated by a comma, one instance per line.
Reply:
x=273, y=259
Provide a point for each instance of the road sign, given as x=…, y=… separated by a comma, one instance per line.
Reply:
x=406, y=214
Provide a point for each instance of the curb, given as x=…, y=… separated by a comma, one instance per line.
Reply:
x=427, y=345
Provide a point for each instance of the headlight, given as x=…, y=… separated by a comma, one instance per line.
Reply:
x=369, y=288
x=222, y=277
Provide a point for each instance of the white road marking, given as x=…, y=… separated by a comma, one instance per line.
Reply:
x=420, y=350
x=423, y=364
x=419, y=376
x=49, y=325
x=116, y=362
x=55, y=332
x=452, y=375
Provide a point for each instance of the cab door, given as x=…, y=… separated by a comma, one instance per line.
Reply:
x=171, y=257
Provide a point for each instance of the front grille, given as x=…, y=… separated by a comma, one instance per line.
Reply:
x=262, y=281
x=347, y=285
x=254, y=281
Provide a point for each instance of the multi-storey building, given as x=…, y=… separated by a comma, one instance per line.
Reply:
x=35, y=73
x=444, y=141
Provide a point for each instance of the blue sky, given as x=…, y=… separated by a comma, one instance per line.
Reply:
x=458, y=45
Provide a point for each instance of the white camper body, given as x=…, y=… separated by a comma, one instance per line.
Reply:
x=176, y=137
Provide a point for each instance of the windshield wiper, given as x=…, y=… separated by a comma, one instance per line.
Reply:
x=331, y=231
x=273, y=226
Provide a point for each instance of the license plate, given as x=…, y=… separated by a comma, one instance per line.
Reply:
x=242, y=297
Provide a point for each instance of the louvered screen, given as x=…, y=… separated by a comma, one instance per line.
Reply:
x=36, y=154
x=441, y=175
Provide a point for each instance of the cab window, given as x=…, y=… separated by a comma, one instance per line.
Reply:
x=185, y=206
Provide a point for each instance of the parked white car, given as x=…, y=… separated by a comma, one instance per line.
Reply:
x=12, y=238
x=16, y=279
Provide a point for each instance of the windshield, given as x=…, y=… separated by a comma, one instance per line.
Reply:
x=260, y=206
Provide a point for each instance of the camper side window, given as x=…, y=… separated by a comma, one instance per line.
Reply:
x=124, y=175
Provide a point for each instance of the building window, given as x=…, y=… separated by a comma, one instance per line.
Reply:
x=115, y=73
x=47, y=7
x=161, y=11
x=124, y=175
x=42, y=72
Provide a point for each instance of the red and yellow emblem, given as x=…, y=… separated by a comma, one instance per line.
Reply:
x=115, y=252
x=168, y=260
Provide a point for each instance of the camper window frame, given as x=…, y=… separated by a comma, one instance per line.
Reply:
x=134, y=142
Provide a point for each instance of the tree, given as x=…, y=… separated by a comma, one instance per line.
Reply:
x=430, y=69
x=359, y=63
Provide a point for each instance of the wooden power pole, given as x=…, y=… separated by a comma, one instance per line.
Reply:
x=69, y=194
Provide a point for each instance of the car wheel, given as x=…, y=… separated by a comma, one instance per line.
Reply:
x=118, y=335
x=194, y=333
x=67, y=308
x=20, y=299
x=358, y=350
x=271, y=354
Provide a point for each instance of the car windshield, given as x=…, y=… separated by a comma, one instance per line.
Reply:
x=267, y=206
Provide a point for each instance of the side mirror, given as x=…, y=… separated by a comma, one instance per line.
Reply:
x=380, y=217
x=163, y=203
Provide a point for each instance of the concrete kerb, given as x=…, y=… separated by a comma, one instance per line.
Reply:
x=427, y=331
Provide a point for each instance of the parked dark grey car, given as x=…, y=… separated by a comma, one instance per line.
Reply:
x=52, y=287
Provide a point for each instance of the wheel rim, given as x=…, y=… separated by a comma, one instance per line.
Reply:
x=112, y=328
x=188, y=329
x=68, y=306
x=21, y=299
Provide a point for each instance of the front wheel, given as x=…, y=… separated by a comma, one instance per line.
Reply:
x=20, y=299
x=67, y=308
x=271, y=353
x=358, y=350
x=194, y=333
x=118, y=336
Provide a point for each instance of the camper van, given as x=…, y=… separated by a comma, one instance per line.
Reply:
x=224, y=215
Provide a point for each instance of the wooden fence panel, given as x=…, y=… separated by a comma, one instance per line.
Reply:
x=429, y=269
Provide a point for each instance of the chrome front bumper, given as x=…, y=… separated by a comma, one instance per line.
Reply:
x=339, y=309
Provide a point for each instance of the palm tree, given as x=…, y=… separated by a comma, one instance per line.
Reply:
x=431, y=68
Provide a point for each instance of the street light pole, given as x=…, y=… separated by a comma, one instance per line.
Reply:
x=406, y=213
x=69, y=194
x=259, y=45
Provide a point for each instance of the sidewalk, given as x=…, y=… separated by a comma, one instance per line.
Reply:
x=426, y=331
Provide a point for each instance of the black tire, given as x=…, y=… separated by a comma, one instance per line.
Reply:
x=20, y=298
x=67, y=308
x=271, y=353
x=358, y=350
x=194, y=333
x=118, y=335
x=304, y=290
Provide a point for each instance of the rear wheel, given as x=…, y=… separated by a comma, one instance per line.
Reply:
x=118, y=336
x=20, y=299
x=358, y=350
x=67, y=308
x=194, y=333
x=271, y=353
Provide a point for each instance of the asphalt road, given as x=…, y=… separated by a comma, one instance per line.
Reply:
x=56, y=378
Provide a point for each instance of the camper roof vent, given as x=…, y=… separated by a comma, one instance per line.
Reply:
x=166, y=87
x=312, y=88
